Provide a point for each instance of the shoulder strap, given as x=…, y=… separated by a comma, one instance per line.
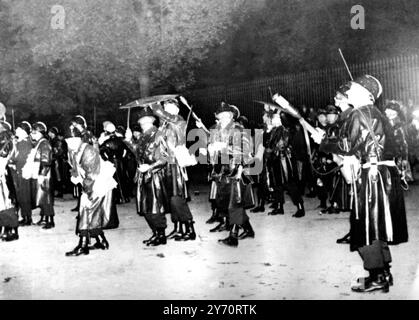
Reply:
x=4, y=146
x=39, y=143
x=370, y=129
x=81, y=151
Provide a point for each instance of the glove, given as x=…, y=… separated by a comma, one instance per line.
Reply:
x=128, y=134
x=144, y=168
x=317, y=138
x=42, y=181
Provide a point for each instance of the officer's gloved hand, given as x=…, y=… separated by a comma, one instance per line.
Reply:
x=128, y=134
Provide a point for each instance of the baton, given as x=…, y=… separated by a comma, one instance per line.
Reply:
x=346, y=65
x=193, y=113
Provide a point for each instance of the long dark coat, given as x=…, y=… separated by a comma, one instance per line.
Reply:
x=44, y=194
x=152, y=196
x=230, y=194
x=173, y=130
x=379, y=212
x=280, y=165
x=96, y=212
x=22, y=186
x=8, y=212
x=115, y=150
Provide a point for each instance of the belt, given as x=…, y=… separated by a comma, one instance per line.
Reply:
x=388, y=163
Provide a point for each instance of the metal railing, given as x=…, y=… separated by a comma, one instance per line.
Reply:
x=316, y=88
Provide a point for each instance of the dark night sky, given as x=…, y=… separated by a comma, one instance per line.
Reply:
x=305, y=35
x=48, y=72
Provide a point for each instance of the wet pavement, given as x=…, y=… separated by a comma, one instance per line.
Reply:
x=288, y=259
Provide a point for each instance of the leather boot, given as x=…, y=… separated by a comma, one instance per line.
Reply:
x=82, y=248
x=221, y=226
x=151, y=238
x=174, y=231
x=300, y=211
x=160, y=238
x=101, y=242
x=46, y=222
x=5, y=233
x=49, y=223
x=41, y=221
x=225, y=226
x=277, y=210
x=104, y=241
x=247, y=231
x=97, y=244
x=213, y=218
x=10, y=236
x=376, y=281
x=259, y=208
x=345, y=239
x=177, y=231
x=189, y=232
x=23, y=222
x=232, y=239
x=388, y=275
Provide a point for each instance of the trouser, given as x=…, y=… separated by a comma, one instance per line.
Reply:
x=180, y=211
x=213, y=204
x=56, y=176
x=222, y=199
x=46, y=203
x=110, y=204
x=322, y=193
x=293, y=190
x=46, y=206
x=47, y=210
x=305, y=176
x=156, y=220
x=261, y=193
x=91, y=233
x=237, y=216
x=58, y=186
x=131, y=168
x=34, y=190
x=77, y=191
x=23, y=195
x=375, y=256
x=121, y=192
x=8, y=218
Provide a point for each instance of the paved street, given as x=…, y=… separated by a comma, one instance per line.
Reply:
x=289, y=259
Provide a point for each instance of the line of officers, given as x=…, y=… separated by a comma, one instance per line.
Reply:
x=293, y=164
x=151, y=159
x=37, y=163
x=289, y=168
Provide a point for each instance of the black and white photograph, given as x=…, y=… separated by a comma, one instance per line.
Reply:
x=230, y=151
